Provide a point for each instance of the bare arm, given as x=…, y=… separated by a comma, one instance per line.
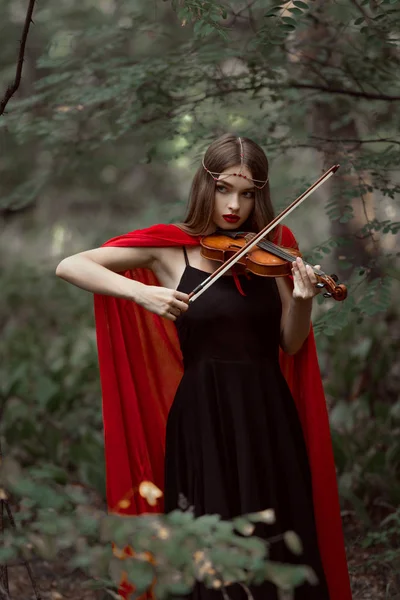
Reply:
x=97, y=270
x=296, y=306
x=296, y=318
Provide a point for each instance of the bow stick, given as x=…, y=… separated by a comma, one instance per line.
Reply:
x=259, y=236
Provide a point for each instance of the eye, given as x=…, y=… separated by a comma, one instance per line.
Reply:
x=220, y=188
x=248, y=195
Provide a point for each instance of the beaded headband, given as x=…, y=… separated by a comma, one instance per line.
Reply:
x=219, y=178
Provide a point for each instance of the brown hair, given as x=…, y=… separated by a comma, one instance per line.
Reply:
x=220, y=155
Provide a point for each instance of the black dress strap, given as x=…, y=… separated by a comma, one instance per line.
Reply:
x=186, y=256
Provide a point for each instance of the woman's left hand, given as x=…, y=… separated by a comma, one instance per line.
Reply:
x=304, y=280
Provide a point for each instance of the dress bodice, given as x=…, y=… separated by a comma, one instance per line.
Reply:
x=226, y=325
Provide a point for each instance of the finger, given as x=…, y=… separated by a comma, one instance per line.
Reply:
x=311, y=275
x=307, y=274
x=295, y=272
x=302, y=268
x=317, y=290
x=182, y=306
x=175, y=311
x=317, y=268
x=169, y=317
x=297, y=275
x=295, y=267
x=181, y=296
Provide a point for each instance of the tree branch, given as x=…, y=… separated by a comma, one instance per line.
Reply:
x=355, y=141
x=364, y=13
x=10, y=91
x=343, y=92
x=294, y=84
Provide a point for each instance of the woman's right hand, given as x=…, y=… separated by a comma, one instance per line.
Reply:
x=162, y=301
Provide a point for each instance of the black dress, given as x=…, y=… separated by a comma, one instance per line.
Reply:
x=234, y=442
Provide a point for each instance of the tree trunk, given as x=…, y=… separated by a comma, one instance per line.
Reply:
x=305, y=49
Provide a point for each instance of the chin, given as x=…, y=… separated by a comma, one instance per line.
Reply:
x=229, y=226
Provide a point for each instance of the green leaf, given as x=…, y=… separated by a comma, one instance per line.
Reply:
x=180, y=588
x=342, y=416
x=293, y=542
x=7, y=554
x=296, y=11
x=243, y=526
x=358, y=505
x=209, y=520
x=289, y=21
x=287, y=577
x=264, y=516
x=140, y=573
x=300, y=4
x=178, y=517
x=272, y=12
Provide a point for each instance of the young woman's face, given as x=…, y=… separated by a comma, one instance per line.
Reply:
x=234, y=197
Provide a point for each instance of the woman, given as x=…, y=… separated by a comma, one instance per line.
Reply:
x=207, y=378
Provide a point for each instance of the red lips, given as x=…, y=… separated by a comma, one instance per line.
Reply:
x=231, y=218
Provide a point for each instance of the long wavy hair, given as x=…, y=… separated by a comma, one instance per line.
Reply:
x=220, y=155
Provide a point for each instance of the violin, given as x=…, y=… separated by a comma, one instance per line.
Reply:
x=265, y=259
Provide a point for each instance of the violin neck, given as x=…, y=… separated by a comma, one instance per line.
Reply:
x=280, y=252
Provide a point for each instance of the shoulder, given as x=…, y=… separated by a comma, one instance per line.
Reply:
x=283, y=236
x=157, y=236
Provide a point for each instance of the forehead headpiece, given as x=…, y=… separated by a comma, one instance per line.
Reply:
x=217, y=176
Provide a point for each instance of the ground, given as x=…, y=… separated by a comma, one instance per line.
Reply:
x=371, y=579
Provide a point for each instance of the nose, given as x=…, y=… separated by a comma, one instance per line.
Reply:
x=233, y=203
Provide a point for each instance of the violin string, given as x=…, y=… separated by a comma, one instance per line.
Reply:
x=268, y=245
x=277, y=251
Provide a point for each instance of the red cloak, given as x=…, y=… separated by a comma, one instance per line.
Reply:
x=140, y=368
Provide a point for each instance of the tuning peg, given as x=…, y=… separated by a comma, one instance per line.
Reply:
x=319, y=285
x=327, y=295
x=334, y=277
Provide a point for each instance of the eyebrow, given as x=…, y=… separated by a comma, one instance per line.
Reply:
x=223, y=182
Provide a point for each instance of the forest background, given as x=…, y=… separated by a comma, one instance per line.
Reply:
x=117, y=103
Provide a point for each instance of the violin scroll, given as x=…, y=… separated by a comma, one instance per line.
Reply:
x=337, y=292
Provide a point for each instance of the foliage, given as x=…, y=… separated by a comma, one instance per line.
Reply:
x=365, y=414
x=384, y=540
x=50, y=399
x=366, y=299
x=169, y=552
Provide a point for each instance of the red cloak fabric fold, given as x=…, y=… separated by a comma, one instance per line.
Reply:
x=140, y=368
